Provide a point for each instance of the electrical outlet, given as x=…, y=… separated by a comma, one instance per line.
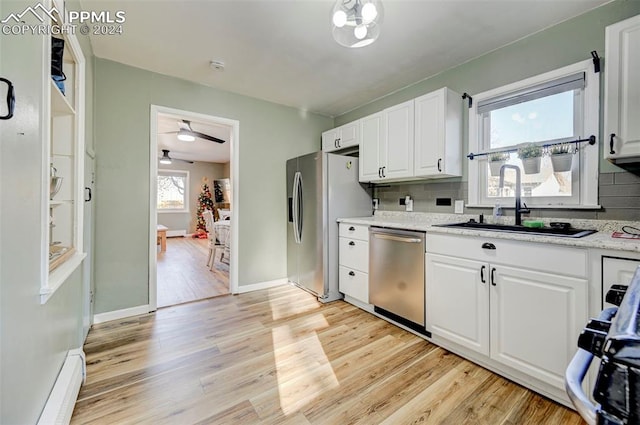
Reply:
x=459, y=206
x=376, y=203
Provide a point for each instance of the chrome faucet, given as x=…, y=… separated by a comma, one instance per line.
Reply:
x=519, y=210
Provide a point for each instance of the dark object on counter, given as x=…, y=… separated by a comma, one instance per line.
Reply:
x=11, y=99
x=560, y=225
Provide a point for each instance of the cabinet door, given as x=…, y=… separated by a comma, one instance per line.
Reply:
x=616, y=271
x=372, y=136
x=457, y=301
x=397, y=153
x=622, y=90
x=429, y=116
x=330, y=140
x=535, y=320
x=438, y=141
x=349, y=135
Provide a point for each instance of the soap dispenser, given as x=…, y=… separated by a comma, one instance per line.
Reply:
x=408, y=203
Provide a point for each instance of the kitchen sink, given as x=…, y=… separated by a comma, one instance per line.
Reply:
x=568, y=232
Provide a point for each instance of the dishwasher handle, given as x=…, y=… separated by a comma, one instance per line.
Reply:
x=397, y=238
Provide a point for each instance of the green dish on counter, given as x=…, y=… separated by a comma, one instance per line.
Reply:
x=534, y=224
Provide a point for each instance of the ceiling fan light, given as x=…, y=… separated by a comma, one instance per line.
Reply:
x=165, y=159
x=185, y=135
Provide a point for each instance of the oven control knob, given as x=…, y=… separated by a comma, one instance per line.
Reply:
x=615, y=294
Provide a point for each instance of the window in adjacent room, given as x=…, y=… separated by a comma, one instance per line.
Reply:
x=173, y=191
x=558, y=106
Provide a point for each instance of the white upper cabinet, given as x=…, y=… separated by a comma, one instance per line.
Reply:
x=622, y=92
x=397, y=153
x=373, y=132
x=438, y=138
x=418, y=139
x=342, y=137
x=386, y=148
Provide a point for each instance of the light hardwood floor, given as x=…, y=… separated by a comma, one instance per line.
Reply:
x=278, y=356
x=183, y=275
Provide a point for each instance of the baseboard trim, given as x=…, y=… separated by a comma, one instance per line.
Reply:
x=261, y=285
x=121, y=314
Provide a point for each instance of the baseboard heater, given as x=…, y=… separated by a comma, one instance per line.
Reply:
x=408, y=323
x=61, y=401
x=176, y=233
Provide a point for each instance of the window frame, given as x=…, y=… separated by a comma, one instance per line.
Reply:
x=585, y=189
x=175, y=173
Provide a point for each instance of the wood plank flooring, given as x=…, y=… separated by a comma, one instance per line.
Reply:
x=278, y=356
x=183, y=275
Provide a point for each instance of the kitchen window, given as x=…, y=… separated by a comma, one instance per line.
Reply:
x=558, y=106
x=173, y=191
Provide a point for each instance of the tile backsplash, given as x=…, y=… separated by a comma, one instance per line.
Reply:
x=619, y=195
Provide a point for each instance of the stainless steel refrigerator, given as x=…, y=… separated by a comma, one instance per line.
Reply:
x=321, y=187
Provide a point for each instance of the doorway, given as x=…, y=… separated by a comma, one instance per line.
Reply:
x=193, y=178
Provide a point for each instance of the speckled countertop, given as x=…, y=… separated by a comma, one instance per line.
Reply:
x=426, y=221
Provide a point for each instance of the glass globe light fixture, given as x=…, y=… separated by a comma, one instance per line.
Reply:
x=356, y=23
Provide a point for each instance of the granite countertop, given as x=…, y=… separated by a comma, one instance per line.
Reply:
x=426, y=221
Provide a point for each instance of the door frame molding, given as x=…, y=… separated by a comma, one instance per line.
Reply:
x=153, y=212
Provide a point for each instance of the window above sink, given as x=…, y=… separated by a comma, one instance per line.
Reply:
x=558, y=106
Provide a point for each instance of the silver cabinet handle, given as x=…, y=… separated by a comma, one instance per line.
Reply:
x=396, y=238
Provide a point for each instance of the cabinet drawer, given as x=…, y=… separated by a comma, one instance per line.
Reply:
x=354, y=283
x=354, y=254
x=532, y=255
x=354, y=231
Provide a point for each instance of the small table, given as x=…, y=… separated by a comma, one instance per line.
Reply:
x=162, y=237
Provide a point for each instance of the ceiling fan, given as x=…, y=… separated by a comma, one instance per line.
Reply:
x=187, y=134
x=166, y=159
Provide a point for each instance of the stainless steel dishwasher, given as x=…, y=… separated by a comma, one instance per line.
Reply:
x=396, y=275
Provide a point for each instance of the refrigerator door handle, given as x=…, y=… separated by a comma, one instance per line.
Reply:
x=295, y=207
x=300, y=207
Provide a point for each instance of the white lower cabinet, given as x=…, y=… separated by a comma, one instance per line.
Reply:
x=535, y=321
x=354, y=261
x=457, y=300
x=490, y=296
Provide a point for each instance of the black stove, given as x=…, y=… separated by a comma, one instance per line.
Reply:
x=615, y=338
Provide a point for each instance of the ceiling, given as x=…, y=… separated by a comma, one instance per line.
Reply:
x=283, y=51
x=199, y=150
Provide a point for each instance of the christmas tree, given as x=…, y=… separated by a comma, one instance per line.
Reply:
x=204, y=203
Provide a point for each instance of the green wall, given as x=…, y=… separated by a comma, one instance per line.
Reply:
x=34, y=337
x=269, y=135
x=558, y=46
